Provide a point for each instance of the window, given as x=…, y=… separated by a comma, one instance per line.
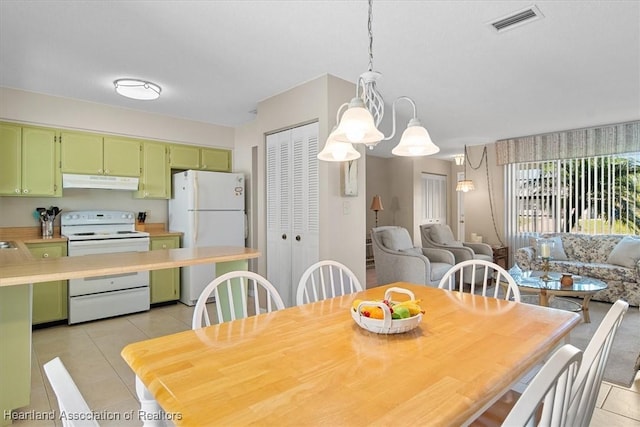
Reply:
x=592, y=195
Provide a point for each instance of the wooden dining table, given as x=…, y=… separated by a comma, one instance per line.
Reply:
x=312, y=365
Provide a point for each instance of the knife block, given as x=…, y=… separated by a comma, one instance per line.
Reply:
x=139, y=226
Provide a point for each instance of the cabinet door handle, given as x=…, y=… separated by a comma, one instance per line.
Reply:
x=284, y=237
x=99, y=170
x=298, y=238
x=45, y=255
x=17, y=191
x=164, y=246
x=25, y=191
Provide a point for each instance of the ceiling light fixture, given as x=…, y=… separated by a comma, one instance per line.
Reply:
x=336, y=151
x=459, y=159
x=359, y=123
x=466, y=184
x=137, y=89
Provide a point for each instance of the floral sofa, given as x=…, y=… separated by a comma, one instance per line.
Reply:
x=614, y=259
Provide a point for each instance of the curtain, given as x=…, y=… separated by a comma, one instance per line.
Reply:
x=597, y=141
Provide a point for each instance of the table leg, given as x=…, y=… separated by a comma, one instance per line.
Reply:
x=151, y=414
x=585, y=309
x=544, y=298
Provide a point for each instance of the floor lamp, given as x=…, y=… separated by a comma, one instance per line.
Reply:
x=376, y=205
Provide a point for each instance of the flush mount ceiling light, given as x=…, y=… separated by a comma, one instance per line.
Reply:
x=363, y=114
x=137, y=89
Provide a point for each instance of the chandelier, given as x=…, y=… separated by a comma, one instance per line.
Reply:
x=359, y=122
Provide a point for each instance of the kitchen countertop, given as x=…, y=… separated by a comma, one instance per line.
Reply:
x=18, y=266
x=22, y=271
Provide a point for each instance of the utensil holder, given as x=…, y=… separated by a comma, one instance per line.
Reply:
x=47, y=228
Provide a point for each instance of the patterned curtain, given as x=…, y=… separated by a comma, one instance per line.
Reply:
x=597, y=141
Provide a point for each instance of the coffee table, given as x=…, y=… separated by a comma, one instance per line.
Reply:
x=582, y=286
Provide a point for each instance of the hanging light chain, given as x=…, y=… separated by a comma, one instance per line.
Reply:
x=369, y=28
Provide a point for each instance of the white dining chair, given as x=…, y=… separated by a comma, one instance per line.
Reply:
x=546, y=400
x=70, y=400
x=480, y=273
x=326, y=279
x=231, y=292
x=587, y=384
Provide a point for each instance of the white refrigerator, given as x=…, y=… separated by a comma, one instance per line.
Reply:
x=208, y=207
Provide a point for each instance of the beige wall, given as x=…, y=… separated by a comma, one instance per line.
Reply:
x=340, y=216
x=398, y=182
x=478, y=205
x=45, y=110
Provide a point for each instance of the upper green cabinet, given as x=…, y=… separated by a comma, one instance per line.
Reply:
x=28, y=162
x=184, y=157
x=155, y=181
x=93, y=154
x=215, y=159
x=190, y=157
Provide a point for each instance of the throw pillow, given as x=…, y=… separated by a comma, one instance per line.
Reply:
x=396, y=239
x=626, y=253
x=442, y=234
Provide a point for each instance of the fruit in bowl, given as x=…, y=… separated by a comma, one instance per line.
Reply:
x=387, y=316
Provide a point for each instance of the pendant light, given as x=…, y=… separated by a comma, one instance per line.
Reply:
x=466, y=184
x=359, y=123
x=336, y=151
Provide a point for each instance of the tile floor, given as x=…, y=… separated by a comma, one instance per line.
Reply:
x=91, y=353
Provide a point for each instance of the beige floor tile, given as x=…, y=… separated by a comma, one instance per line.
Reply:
x=624, y=402
x=602, y=418
x=605, y=388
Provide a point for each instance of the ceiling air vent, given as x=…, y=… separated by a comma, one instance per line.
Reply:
x=516, y=19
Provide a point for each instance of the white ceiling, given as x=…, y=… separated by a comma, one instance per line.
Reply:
x=215, y=60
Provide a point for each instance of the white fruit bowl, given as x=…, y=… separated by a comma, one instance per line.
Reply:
x=387, y=325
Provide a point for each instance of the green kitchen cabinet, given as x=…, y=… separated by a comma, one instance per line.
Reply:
x=164, y=284
x=184, y=157
x=49, y=298
x=28, y=162
x=95, y=154
x=199, y=158
x=155, y=180
x=215, y=159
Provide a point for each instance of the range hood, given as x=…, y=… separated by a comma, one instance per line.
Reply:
x=99, y=181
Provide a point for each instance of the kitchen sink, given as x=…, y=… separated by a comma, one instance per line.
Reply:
x=8, y=245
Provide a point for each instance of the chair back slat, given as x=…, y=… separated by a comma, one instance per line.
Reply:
x=326, y=279
x=236, y=286
x=490, y=272
x=546, y=400
x=587, y=385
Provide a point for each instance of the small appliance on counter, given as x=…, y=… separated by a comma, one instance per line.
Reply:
x=46, y=217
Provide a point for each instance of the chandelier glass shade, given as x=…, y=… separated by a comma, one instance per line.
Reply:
x=466, y=184
x=360, y=121
x=336, y=151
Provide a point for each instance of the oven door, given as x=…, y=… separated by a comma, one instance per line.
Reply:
x=113, y=282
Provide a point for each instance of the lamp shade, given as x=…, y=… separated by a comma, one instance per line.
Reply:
x=415, y=141
x=137, y=89
x=465, y=185
x=357, y=126
x=336, y=151
x=376, y=204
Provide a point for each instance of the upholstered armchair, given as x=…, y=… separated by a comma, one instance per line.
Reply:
x=397, y=260
x=439, y=236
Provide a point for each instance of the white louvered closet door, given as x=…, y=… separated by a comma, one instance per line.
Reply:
x=292, y=207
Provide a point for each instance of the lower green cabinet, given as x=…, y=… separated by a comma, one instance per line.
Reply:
x=49, y=298
x=164, y=284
